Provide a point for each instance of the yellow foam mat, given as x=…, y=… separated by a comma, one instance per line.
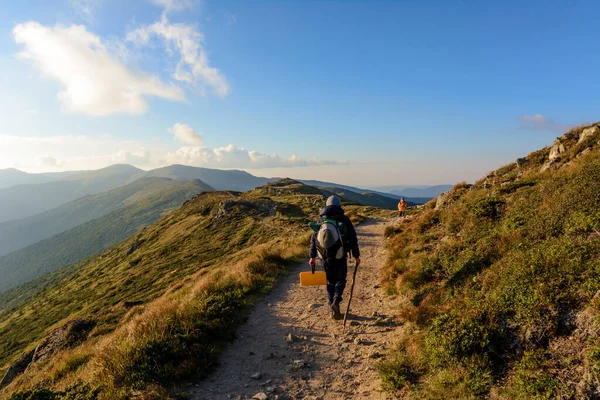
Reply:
x=310, y=279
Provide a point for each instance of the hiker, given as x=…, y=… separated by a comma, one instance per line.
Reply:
x=335, y=265
x=402, y=207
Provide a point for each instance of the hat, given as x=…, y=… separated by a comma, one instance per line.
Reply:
x=333, y=201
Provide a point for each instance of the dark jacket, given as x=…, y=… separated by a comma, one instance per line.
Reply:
x=337, y=213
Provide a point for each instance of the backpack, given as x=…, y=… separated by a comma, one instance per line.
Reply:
x=331, y=239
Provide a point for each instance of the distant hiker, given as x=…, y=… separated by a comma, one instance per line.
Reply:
x=402, y=207
x=333, y=241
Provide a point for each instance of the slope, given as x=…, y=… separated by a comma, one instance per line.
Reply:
x=218, y=179
x=94, y=236
x=219, y=236
x=499, y=282
x=20, y=233
x=25, y=200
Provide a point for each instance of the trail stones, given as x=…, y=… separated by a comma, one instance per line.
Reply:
x=300, y=364
x=257, y=376
x=291, y=338
x=260, y=396
x=358, y=341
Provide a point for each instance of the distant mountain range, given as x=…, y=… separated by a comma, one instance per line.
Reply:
x=96, y=235
x=29, y=199
x=23, y=232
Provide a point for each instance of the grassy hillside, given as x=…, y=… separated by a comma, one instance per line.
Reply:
x=499, y=282
x=92, y=237
x=20, y=233
x=163, y=311
x=218, y=179
x=25, y=200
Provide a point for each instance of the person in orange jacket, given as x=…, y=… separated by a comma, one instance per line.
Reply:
x=402, y=207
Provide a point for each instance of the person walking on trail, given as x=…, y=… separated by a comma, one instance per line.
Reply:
x=335, y=262
x=402, y=207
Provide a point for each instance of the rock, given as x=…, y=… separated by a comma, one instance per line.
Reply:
x=257, y=376
x=260, y=396
x=520, y=161
x=354, y=323
x=312, y=306
x=550, y=165
x=556, y=150
x=375, y=314
x=375, y=355
x=17, y=368
x=131, y=304
x=587, y=133
x=584, y=152
x=132, y=248
x=358, y=341
x=300, y=364
x=291, y=338
x=376, y=286
x=441, y=200
x=270, y=389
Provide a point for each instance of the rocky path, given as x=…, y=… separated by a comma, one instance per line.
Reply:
x=291, y=349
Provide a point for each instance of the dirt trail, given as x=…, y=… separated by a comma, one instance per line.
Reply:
x=317, y=361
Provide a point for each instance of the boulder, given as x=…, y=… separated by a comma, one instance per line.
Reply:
x=588, y=132
x=441, y=200
x=17, y=368
x=68, y=335
x=556, y=150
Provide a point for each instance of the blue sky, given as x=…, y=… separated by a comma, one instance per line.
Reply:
x=365, y=93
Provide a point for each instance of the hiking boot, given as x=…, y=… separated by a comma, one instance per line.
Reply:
x=335, y=311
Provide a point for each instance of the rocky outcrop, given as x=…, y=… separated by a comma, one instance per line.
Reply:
x=559, y=152
x=588, y=133
x=556, y=150
x=71, y=334
x=17, y=368
x=441, y=200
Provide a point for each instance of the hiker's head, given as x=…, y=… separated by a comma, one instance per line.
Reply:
x=333, y=201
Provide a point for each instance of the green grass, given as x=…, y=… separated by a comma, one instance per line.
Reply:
x=496, y=281
x=195, y=274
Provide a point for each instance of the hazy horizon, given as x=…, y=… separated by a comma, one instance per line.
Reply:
x=351, y=92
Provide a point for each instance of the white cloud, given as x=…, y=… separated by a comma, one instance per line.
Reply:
x=78, y=152
x=236, y=157
x=540, y=122
x=186, y=135
x=94, y=81
x=193, y=66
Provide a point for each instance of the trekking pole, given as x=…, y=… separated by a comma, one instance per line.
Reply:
x=350, y=299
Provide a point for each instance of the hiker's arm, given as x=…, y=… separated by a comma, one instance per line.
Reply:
x=313, y=246
x=353, y=240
